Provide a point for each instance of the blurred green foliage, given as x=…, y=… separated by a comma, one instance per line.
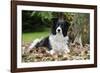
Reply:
x=33, y=21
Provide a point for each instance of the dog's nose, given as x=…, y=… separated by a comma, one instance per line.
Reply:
x=58, y=30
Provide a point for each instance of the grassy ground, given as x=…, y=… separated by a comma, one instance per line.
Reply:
x=27, y=37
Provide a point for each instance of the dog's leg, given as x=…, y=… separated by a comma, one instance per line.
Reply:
x=66, y=50
x=33, y=45
x=52, y=52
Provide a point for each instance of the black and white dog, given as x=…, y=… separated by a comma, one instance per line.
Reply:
x=57, y=41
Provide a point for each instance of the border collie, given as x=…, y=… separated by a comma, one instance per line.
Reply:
x=57, y=41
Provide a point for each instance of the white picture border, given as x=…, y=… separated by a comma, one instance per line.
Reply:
x=52, y=63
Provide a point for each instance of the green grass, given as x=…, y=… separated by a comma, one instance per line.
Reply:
x=27, y=37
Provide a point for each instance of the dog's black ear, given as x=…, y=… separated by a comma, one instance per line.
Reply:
x=66, y=27
x=54, y=21
x=68, y=24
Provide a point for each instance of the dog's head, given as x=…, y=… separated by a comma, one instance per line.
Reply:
x=60, y=26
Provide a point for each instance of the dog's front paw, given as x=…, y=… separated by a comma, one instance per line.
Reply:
x=52, y=52
x=66, y=50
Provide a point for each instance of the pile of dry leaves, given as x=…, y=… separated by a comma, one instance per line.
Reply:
x=77, y=52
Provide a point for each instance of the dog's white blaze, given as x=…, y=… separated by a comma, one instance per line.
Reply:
x=59, y=43
x=59, y=28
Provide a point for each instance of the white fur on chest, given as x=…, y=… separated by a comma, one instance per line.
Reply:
x=59, y=43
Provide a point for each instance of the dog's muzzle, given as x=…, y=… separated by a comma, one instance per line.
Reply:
x=59, y=30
